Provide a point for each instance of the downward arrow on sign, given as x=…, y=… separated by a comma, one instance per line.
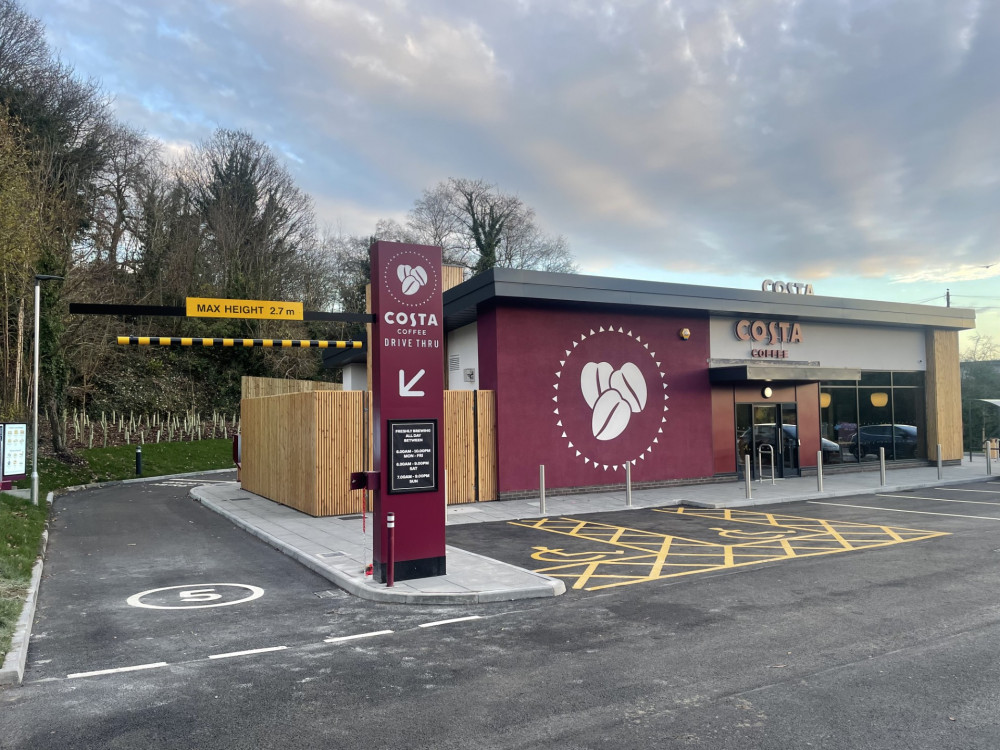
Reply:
x=404, y=387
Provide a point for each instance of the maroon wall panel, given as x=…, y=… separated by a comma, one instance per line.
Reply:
x=585, y=392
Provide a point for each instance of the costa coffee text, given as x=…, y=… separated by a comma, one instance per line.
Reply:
x=786, y=287
x=769, y=332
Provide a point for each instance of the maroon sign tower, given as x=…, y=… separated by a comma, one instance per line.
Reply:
x=408, y=404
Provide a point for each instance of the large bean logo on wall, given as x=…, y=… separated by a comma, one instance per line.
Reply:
x=611, y=398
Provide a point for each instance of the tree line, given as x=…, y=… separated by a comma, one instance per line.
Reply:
x=95, y=201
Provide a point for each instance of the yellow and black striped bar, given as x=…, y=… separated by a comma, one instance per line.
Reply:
x=276, y=343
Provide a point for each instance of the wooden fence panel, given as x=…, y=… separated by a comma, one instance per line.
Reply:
x=279, y=448
x=341, y=449
x=486, y=444
x=459, y=446
x=253, y=387
x=299, y=448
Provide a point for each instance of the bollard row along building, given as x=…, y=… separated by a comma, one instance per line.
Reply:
x=682, y=382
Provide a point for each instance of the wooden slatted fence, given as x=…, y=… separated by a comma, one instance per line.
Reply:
x=299, y=448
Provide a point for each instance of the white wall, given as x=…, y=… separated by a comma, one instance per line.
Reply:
x=864, y=347
x=463, y=354
x=355, y=377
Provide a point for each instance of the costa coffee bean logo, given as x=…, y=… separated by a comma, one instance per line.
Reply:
x=411, y=278
x=408, y=280
x=614, y=395
x=611, y=398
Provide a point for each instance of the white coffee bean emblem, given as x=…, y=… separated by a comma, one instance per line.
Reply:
x=614, y=396
x=411, y=278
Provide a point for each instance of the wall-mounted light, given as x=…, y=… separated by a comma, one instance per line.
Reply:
x=824, y=400
x=766, y=391
x=684, y=333
x=880, y=399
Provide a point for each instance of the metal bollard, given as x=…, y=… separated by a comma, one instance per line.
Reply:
x=628, y=485
x=939, y=460
x=819, y=471
x=989, y=458
x=881, y=466
x=541, y=489
x=746, y=473
x=390, y=572
x=138, y=461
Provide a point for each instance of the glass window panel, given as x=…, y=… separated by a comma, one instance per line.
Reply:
x=908, y=425
x=840, y=424
x=908, y=378
x=875, y=423
x=875, y=378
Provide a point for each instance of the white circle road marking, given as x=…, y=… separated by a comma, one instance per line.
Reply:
x=196, y=593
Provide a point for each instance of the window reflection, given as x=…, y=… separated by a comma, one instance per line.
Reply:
x=861, y=419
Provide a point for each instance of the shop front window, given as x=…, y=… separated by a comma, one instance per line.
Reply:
x=839, y=429
x=885, y=411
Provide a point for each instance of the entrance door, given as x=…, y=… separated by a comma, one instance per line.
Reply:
x=763, y=430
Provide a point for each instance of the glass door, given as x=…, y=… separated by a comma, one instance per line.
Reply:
x=756, y=437
x=763, y=430
x=790, y=441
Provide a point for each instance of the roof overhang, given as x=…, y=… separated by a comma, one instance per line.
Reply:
x=539, y=288
x=780, y=373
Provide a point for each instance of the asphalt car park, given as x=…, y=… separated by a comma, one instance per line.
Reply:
x=139, y=576
x=888, y=644
x=596, y=552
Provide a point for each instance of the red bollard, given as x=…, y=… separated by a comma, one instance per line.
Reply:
x=390, y=573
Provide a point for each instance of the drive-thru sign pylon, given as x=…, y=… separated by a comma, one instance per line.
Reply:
x=407, y=346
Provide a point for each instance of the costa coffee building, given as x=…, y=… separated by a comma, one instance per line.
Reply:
x=682, y=382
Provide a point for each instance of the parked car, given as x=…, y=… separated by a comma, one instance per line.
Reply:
x=763, y=434
x=874, y=436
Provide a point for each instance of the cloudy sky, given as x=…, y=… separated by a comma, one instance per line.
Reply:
x=851, y=144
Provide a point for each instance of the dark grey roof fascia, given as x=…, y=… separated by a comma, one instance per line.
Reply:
x=460, y=302
x=773, y=372
x=340, y=357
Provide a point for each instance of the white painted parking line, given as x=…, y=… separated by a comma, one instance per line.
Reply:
x=938, y=499
x=342, y=638
x=247, y=653
x=900, y=510
x=136, y=668
x=962, y=489
x=448, y=622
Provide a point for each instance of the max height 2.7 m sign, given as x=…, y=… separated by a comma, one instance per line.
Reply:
x=408, y=400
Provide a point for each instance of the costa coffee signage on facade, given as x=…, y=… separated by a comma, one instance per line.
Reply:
x=786, y=287
x=768, y=333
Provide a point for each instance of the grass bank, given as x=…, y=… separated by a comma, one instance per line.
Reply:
x=21, y=523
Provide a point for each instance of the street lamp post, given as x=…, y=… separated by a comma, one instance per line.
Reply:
x=39, y=277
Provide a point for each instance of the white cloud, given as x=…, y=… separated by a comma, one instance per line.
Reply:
x=855, y=138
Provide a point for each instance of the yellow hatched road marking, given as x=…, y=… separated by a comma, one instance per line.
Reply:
x=669, y=556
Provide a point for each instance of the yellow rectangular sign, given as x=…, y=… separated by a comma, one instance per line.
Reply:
x=205, y=307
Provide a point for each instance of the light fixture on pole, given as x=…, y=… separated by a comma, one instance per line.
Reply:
x=39, y=277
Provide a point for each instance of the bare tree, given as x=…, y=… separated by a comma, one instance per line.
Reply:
x=479, y=226
x=981, y=349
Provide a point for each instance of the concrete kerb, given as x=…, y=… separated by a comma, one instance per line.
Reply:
x=365, y=588
x=12, y=671
x=847, y=492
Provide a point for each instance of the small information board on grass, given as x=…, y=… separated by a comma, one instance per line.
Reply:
x=413, y=459
x=14, y=449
